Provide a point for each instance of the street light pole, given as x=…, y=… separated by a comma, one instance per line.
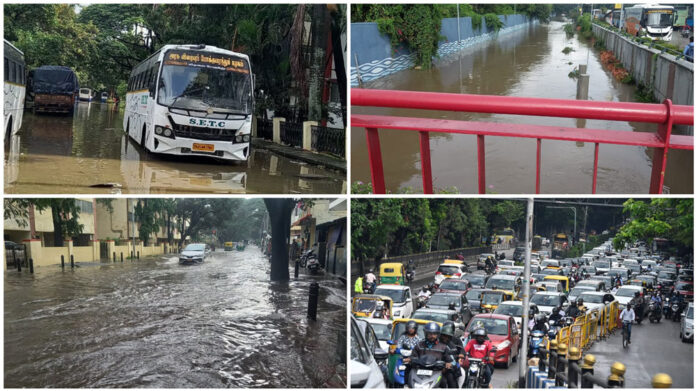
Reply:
x=525, y=292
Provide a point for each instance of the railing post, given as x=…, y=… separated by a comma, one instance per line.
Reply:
x=662, y=380
x=664, y=132
x=594, y=170
x=538, y=167
x=481, y=164
x=587, y=367
x=553, y=358
x=573, y=362
x=616, y=379
x=560, y=365
x=375, y=155
x=425, y=162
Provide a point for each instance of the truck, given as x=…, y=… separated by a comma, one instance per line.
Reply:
x=54, y=89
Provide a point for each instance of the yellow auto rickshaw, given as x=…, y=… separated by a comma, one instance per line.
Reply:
x=365, y=306
x=392, y=273
x=565, y=282
x=490, y=299
x=229, y=246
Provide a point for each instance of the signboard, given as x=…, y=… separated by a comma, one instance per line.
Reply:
x=206, y=60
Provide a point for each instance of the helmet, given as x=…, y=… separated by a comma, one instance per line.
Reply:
x=410, y=261
x=411, y=325
x=452, y=305
x=432, y=328
x=425, y=287
x=556, y=310
x=371, y=270
x=479, y=333
x=448, y=329
x=636, y=294
x=581, y=301
x=494, y=287
x=574, y=303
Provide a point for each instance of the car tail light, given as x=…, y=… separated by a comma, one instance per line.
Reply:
x=438, y=273
x=458, y=274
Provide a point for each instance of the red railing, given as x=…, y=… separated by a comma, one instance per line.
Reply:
x=665, y=115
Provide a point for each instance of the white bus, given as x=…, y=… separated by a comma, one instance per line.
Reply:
x=85, y=94
x=192, y=100
x=654, y=21
x=14, y=88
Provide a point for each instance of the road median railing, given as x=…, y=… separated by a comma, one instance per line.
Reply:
x=665, y=115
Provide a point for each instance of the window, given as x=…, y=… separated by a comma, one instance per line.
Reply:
x=7, y=69
x=85, y=206
x=12, y=72
x=18, y=73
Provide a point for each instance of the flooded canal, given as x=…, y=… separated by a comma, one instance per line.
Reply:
x=156, y=324
x=89, y=153
x=525, y=63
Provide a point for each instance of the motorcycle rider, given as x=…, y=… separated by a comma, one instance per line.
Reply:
x=556, y=315
x=637, y=303
x=455, y=346
x=423, y=296
x=540, y=324
x=410, y=270
x=409, y=339
x=581, y=306
x=480, y=347
x=573, y=310
x=370, y=281
x=489, y=265
x=432, y=346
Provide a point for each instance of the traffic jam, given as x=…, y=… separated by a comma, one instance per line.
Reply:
x=472, y=311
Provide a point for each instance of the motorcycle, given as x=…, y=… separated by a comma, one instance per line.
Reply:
x=654, y=312
x=369, y=287
x=400, y=368
x=426, y=372
x=410, y=276
x=306, y=256
x=313, y=265
x=489, y=269
x=536, y=339
x=677, y=309
x=667, y=309
x=421, y=300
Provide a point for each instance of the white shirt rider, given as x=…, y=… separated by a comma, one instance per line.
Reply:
x=627, y=315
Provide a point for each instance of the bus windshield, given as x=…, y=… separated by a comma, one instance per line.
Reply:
x=659, y=18
x=189, y=82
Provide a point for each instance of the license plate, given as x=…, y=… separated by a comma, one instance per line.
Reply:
x=203, y=147
x=424, y=372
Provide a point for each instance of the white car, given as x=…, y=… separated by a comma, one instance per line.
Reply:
x=193, y=253
x=686, y=331
x=449, y=270
x=364, y=370
x=598, y=300
x=402, y=306
x=514, y=309
x=626, y=293
x=382, y=329
x=547, y=301
x=550, y=263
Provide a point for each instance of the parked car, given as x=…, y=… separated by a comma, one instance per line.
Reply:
x=514, y=308
x=502, y=332
x=686, y=329
x=402, y=306
x=193, y=253
x=364, y=370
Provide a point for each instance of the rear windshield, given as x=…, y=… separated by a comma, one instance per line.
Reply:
x=435, y=317
x=473, y=295
x=383, y=331
x=499, y=283
x=443, y=300
x=449, y=270
x=454, y=285
x=546, y=300
x=625, y=292
x=195, y=247
x=684, y=287
x=509, y=309
x=397, y=295
x=476, y=279
x=491, y=325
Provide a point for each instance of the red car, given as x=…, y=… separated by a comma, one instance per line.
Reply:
x=502, y=332
x=686, y=289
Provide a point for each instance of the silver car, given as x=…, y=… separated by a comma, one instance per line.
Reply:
x=193, y=253
x=686, y=331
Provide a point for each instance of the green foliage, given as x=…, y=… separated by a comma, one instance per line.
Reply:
x=569, y=29
x=670, y=218
x=493, y=22
x=567, y=50
x=645, y=94
x=585, y=24
x=574, y=73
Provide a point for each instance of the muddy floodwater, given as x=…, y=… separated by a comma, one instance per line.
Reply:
x=524, y=63
x=156, y=324
x=90, y=153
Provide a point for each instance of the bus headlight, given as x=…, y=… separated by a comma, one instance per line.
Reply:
x=167, y=132
x=158, y=130
x=238, y=139
x=246, y=138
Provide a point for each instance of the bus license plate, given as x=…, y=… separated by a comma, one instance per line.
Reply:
x=424, y=372
x=203, y=147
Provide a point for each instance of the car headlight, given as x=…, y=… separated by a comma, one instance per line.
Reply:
x=238, y=138
x=158, y=130
x=247, y=138
x=168, y=132
x=503, y=344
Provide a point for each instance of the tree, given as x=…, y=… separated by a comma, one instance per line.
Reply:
x=373, y=221
x=279, y=210
x=197, y=214
x=670, y=218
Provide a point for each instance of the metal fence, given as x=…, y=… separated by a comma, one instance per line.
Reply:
x=332, y=140
x=16, y=254
x=291, y=133
x=264, y=129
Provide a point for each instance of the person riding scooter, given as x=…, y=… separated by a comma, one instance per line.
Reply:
x=573, y=310
x=581, y=306
x=556, y=315
x=410, y=271
x=638, y=304
x=433, y=347
x=481, y=348
x=370, y=281
x=409, y=339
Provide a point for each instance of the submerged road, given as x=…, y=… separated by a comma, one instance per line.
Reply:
x=90, y=153
x=153, y=323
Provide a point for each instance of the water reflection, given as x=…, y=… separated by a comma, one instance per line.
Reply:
x=157, y=324
x=526, y=63
x=89, y=153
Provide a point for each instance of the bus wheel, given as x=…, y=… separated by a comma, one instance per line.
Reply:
x=128, y=127
x=8, y=131
x=142, y=138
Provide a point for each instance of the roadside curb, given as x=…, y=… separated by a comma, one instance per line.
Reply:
x=300, y=154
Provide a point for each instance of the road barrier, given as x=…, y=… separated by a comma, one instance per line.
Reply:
x=665, y=115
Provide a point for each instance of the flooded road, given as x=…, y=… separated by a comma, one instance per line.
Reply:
x=525, y=63
x=86, y=153
x=156, y=324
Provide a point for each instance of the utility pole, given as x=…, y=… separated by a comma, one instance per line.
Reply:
x=525, y=292
x=459, y=33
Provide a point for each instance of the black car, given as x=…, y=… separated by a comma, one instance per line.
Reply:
x=518, y=254
x=665, y=281
x=442, y=300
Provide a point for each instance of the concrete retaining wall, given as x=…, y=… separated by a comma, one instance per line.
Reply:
x=670, y=78
x=376, y=58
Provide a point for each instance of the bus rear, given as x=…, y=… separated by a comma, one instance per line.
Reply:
x=14, y=86
x=203, y=105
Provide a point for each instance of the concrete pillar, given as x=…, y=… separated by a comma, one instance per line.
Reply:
x=307, y=134
x=70, y=248
x=34, y=247
x=254, y=130
x=111, y=245
x=583, y=83
x=276, y=129
x=95, y=251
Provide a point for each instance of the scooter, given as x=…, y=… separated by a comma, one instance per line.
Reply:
x=313, y=265
x=399, y=374
x=426, y=372
x=410, y=276
x=654, y=312
x=536, y=339
x=369, y=287
x=676, y=311
x=667, y=309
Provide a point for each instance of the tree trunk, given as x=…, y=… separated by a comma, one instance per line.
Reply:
x=57, y=227
x=279, y=210
x=339, y=65
x=320, y=26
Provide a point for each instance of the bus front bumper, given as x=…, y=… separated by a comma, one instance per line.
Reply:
x=217, y=149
